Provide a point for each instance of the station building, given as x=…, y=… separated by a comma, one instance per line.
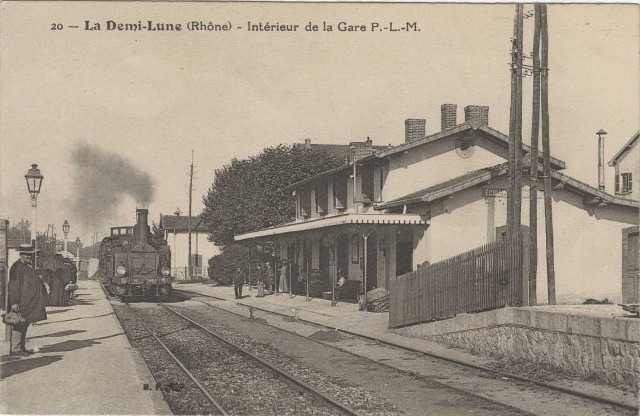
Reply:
x=390, y=210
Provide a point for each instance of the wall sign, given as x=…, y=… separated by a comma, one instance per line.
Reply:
x=494, y=192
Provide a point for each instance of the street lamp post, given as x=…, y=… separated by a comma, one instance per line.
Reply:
x=65, y=230
x=78, y=244
x=34, y=183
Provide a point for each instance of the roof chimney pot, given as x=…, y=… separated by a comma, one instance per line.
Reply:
x=414, y=129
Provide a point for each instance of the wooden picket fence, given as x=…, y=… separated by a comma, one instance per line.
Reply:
x=487, y=277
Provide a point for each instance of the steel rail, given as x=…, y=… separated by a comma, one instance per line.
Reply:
x=550, y=386
x=284, y=374
x=186, y=371
x=407, y=372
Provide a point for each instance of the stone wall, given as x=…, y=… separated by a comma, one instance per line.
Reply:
x=602, y=347
x=610, y=360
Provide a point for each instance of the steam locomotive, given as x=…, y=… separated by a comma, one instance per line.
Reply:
x=133, y=264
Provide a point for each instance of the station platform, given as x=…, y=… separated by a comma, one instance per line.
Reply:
x=348, y=318
x=85, y=365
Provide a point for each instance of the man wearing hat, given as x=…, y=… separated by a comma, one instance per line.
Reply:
x=26, y=296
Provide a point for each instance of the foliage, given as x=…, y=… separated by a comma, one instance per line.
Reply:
x=156, y=232
x=223, y=266
x=247, y=194
x=19, y=231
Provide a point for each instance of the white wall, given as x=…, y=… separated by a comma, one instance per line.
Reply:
x=458, y=224
x=179, y=244
x=588, y=248
x=420, y=168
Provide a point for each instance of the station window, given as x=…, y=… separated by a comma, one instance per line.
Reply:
x=305, y=202
x=340, y=192
x=367, y=185
x=322, y=198
x=626, y=182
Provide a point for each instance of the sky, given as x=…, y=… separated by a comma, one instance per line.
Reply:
x=148, y=99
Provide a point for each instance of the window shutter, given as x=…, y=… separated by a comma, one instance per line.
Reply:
x=367, y=185
x=617, y=183
x=340, y=192
x=322, y=197
x=305, y=202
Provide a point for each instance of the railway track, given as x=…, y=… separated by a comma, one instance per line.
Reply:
x=496, y=373
x=333, y=406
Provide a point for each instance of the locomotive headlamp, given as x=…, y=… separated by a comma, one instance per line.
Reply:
x=121, y=270
x=123, y=280
x=165, y=271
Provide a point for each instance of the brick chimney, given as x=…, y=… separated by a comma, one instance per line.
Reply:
x=477, y=111
x=448, y=116
x=361, y=149
x=414, y=129
x=307, y=143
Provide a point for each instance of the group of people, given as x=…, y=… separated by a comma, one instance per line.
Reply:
x=30, y=290
x=268, y=280
x=61, y=283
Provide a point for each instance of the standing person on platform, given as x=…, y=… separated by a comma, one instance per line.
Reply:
x=73, y=270
x=66, y=278
x=238, y=281
x=284, y=283
x=26, y=296
x=270, y=277
x=57, y=297
x=71, y=277
x=260, y=282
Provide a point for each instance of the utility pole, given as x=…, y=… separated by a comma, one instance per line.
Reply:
x=544, y=93
x=514, y=193
x=533, y=183
x=190, y=198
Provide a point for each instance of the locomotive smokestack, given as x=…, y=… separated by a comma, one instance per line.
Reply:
x=141, y=230
x=601, y=133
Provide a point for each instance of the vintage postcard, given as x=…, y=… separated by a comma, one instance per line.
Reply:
x=319, y=208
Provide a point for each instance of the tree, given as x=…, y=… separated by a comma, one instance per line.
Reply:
x=247, y=194
x=19, y=231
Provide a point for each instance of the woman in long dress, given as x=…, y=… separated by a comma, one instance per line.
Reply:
x=57, y=296
x=260, y=283
x=284, y=282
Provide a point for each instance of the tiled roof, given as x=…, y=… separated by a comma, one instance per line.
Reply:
x=180, y=223
x=386, y=151
x=500, y=137
x=624, y=149
x=340, y=150
x=474, y=178
x=447, y=187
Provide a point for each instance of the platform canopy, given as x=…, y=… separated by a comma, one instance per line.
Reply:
x=336, y=220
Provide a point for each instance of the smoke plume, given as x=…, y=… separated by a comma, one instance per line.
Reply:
x=100, y=180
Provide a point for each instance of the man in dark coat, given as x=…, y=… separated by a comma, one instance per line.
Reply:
x=26, y=296
x=238, y=281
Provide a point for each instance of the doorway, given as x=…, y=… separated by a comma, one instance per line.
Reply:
x=342, y=254
x=372, y=262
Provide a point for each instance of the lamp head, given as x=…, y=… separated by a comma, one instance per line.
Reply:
x=34, y=180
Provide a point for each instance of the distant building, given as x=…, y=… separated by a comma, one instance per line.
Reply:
x=627, y=165
x=176, y=232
